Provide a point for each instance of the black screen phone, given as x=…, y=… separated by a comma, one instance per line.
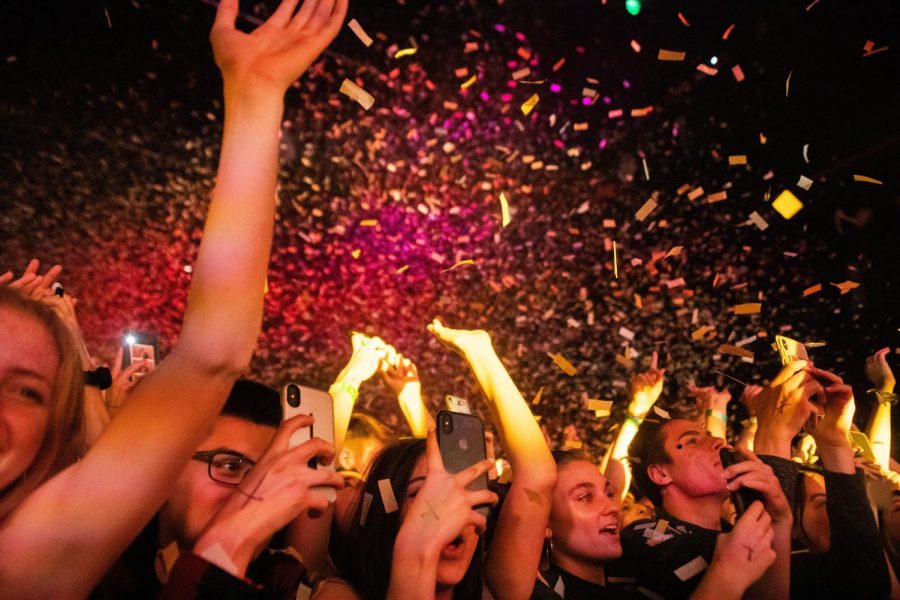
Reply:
x=742, y=497
x=461, y=440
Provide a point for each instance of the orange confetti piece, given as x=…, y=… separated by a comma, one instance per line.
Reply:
x=717, y=197
x=615, y=114
x=675, y=251
x=537, y=397
x=737, y=159
x=356, y=28
x=369, y=223
x=683, y=20
x=750, y=308
x=635, y=46
x=866, y=179
x=461, y=263
x=735, y=351
x=673, y=55
x=728, y=32
x=356, y=253
x=846, y=286
x=813, y=289
x=644, y=211
x=599, y=405
x=637, y=301
x=468, y=82
x=559, y=64
x=695, y=193
x=353, y=91
x=738, y=73
x=563, y=364
x=700, y=332
x=683, y=189
x=707, y=69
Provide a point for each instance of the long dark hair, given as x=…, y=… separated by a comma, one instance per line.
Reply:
x=367, y=550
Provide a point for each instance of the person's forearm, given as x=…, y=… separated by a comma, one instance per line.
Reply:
x=837, y=459
x=414, y=409
x=772, y=442
x=716, y=585
x=776, y=581
x=224, y=311
x=310, y=537
x=748, y=435
x=96, y=416
x=413, y=571
x=879, y=433
x=226, y=546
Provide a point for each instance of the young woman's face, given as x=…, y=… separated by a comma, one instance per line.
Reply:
x=457, y=555
x=584, y=517
x=28, y=365
x=815, y=517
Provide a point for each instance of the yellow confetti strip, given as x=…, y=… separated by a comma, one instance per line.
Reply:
x=670, y=55
x=737, y=159
x=865, y=179
x=537, y=397
x=402, y=269
x=355, y=92
x=504, y=209
x=813, y=289
x=563, y=364
x=468, y=83
x=750, y=308
x=787, y=204
x=615, y=261
x=461, y=263
x=405, y=52
x=369, y=223
x=530, y=104
x=356, y=28
x=735, y=351
x=601, y=405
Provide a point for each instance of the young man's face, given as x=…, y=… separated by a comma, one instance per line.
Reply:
x=695, y=469
x=196, y=498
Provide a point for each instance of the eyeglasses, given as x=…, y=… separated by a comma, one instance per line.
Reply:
x=226, y=468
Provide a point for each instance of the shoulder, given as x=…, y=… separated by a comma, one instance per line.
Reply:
x=336, y=588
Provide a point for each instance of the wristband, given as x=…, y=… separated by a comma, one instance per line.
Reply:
x=633, y=419
x=717, y=414
x=344, y=386
x=99, y=378
x=885, y=397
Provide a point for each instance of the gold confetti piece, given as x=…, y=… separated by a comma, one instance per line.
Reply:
x=707, y=69
x=580, y=127
x=530, y=104
x=387, y=495
x=402, y=269
x=675, y=251
x=537, y=397
x=670, y=55
x=504, y=209
x=355, y=92
x=405, y=52
x=695, y=193
x=109, y=21
x=369, y=223
x=813, y=289
x=683, y=189
x=717, y=197
x=461, y=263
x=572, y=445
x=356, y=28
x=846, y=286
x=615, y=261
x=644, y=211
x=735, y=351
x=691, y=569
x=865, y=179
x=787, y=84
x=750, y=308
x=468, y=83
x=700, y=332
x=762, y=140
x=737, y=159
x=594, y=404
x=461, y=72
x=804, y=183
x=727, y=32
x=683, y=20
x=563, y=364
x=738, y=73
x=356, y=253
x=559, y=64
x=635, y=46
x=757, y=220
x=662, y=412
x=637, y=301
x=787, y=204
x=366, y=507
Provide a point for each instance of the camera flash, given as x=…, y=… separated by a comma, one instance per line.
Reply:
x=130, y=339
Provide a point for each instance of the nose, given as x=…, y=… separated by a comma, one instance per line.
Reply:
x=716, y=443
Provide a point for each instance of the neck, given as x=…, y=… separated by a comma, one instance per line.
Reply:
x=589, y=571
x=443, y=592
x=705, y=511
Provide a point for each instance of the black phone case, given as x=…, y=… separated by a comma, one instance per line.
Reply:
x=742, y=498
x=463, y=446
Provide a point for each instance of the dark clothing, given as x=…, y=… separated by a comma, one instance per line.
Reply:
x=562, y=584
x=855, y=566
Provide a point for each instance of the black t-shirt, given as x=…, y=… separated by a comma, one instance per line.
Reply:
x=562, y=584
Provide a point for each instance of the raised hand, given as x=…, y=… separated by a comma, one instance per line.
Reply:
x=754, y=474
x=646, y=388
x=784, y=407
x=833, y=430
x=30, y=283
x=462, y=341
x=879, y=372
x=277, y=52
x=743, y=555
x=122, y=381
x=748, y=398
x=710, y=397
x=398, y=372
x=368, y=353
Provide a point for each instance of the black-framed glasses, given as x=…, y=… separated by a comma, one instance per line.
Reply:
x=227, y=468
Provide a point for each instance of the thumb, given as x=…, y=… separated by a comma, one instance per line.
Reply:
x=226, y=14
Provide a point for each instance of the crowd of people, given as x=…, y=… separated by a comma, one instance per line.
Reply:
x=182, y=480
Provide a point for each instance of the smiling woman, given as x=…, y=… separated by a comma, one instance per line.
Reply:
x=41, y=386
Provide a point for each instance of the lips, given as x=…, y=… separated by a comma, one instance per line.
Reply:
x=611, y=529
x=454, y=549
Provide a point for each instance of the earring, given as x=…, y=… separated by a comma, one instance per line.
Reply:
x=545, y=554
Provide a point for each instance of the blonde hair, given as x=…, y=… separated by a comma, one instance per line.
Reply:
x=63, y=437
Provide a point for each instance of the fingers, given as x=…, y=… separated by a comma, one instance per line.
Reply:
x=32, y=267
x=130, y=370
x=289, y=426
x=117, y=365
x=472, y=473
x=751, y=515
x=313, y=448
x=303, y=15
x=226, y=14
x=6, y=278
x=282, y=15
x=482, y=498
x=788, y=371
x=320, y=16
x=654, y=361
x=823, y=374
x=433, y=452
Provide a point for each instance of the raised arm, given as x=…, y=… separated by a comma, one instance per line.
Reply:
x=879, y=427
x=400, y=374
x=94, y=508
x=714, y=403
x=514, y=555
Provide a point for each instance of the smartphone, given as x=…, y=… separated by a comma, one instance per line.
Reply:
x=861, y=445
x=461, y=440
x=457, y=404
x=140, y=346
x=790, y=350
x=299, y=400
x=743, y=497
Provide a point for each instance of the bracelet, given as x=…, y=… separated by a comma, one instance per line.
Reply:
x=885, y=397
x=99, y=378
x=717, y=414
x=629, y=418
x=344, y=386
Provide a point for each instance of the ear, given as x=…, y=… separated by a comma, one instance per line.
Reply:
x=345, y=460
x=548, y=533
x=659, y=475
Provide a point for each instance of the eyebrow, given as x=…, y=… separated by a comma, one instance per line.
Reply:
x=584, y=484
x=228, y=451
x=689, y=432
x=30, y=373
x=415, y=479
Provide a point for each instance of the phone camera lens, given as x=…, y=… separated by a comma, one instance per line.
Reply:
x=293, y=396
x=447, y=424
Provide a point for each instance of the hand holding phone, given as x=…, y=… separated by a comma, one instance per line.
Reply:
x=742, y=497
x=790, y=350
x=461, y=442
x=299, y=400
